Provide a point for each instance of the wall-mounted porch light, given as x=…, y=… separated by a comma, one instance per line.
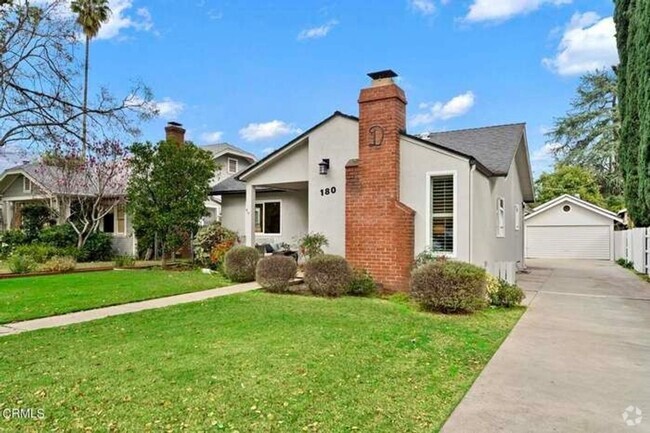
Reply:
x=324, y=166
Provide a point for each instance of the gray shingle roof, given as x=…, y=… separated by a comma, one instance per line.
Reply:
x=224, y=147
x=492, y=146
x=229, y=186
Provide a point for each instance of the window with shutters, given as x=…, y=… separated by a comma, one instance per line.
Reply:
x=442, y=222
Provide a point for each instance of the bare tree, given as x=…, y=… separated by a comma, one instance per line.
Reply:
x=88, y=186
x=41, y=86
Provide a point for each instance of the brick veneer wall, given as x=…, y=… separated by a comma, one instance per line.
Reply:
x=379, y=229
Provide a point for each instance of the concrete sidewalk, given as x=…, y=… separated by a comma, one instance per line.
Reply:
x=577, y=361
x=100, y=313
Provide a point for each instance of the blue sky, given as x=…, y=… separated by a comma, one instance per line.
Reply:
x=256, y=73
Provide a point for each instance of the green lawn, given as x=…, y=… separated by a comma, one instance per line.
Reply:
x=31, y=297
x=253, y=362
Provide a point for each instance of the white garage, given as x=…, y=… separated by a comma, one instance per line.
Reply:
x=569, y=228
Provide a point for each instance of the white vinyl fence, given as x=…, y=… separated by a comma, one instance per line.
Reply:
x=632, y=245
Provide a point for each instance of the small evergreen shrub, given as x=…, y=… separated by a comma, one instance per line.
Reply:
x=124, y=261
x=362, y=284
x=240, y=262
x=39, y=253
x=61, y=236
x=59, y=264
x=274, y=273
x=507, y=295
x=328, y=275
x=625, y=263
x=9, y=240
x=34, y=217
x=98, y=248
x=311, y=244
x=449, y=286
x=19, y=264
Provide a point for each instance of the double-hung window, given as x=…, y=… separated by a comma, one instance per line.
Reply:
x=442, y=214
x=27, y=184
x=233, y=165
x=267, y=218
x=501, y=217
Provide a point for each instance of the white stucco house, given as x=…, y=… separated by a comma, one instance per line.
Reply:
x=382, y=195
x=570, y=228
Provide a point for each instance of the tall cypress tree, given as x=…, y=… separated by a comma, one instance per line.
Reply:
x=632, y=19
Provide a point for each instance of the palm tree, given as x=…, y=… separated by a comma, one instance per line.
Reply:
x=90, y=16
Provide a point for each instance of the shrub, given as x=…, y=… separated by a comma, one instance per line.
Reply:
x=212, y=236
x=507, y=295
x=274, y=273
x=59, y=264
x=34, y=218
x=625, y=263
x=219, y=252
x=124, y=261
x=362, y=284
x=98, y=248
x=426, y=256
x=9, y=240
x=449, y=286
x=328, y=275
x=19, y=264
x=240, y=262
x=492, y=284
x=38, y=252
x=62, y=236
x=311, y=244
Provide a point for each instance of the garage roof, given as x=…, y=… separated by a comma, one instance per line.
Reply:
x=567, y=198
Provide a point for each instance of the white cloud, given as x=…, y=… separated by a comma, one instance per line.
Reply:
x=544, y=153
x=501, y=10
x=263, y=131
x=456, y=106
x=122, y=17
x=167, y=108
x=317, y=32
x=588, y=43
x=212, y=137
x=425, y=7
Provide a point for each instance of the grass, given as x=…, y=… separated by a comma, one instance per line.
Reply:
x=4, y=269
x=253, y=362
x=32, y=297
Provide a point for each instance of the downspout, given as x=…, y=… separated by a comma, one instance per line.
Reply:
x=471, y=210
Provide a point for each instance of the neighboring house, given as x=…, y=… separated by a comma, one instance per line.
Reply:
x=381, y=196
x=28, y=183
x=231, y=160
x=570, y=228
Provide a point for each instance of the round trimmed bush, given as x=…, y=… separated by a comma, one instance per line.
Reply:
x=506, y=295
x=274, y=273
x=449, y=287
x=240, y=262
x=328, y=275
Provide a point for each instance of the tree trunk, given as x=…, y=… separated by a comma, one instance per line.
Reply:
x=84, y=125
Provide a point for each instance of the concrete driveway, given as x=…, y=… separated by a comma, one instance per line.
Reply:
x=576, y=360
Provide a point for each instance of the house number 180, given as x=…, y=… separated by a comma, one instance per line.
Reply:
x=328, y=191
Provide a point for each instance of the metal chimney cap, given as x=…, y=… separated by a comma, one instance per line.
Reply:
x=386, y=73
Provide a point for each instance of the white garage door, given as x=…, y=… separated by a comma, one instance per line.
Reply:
x=568, y=242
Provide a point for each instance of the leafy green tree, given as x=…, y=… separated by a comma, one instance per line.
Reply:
x=588, y=136
x=91, y=14
x=167, y=187
x=572, y=180
x=632, y=20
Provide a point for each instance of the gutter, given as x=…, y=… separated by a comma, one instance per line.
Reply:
x=471, y=210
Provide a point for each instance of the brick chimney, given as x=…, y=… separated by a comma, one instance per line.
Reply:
x=174, y=131
x=379, y=229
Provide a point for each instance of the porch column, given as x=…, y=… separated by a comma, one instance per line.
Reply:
x=249, y=216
